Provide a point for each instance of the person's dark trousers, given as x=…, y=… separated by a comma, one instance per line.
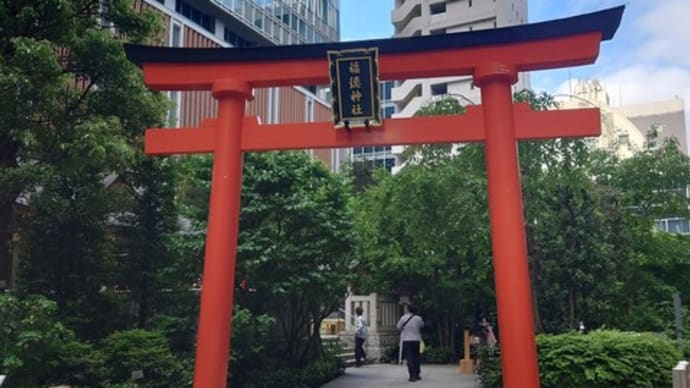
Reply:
x=359, y=351
x=411, y=352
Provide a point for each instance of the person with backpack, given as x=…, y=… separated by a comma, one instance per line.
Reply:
x=410, y=326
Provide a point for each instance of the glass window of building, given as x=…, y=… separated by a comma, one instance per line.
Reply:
x=437, y=8
x=208, y=22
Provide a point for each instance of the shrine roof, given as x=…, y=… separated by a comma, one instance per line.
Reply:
x=605, y=21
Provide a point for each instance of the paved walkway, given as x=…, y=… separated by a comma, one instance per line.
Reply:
x=390, y=375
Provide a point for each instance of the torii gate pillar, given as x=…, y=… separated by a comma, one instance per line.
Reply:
x=513, y=292
x=213, y=338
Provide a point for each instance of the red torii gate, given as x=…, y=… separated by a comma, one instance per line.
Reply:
x=492, y=57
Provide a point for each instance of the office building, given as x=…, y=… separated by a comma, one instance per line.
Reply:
x=625, y=128
x=248, y=23
x=431, y=17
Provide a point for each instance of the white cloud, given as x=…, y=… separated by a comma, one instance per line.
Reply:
x=649, y=59
x=665, y=28
x=641, y=83
x=646, y=84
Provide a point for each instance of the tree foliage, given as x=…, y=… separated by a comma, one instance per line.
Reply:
x=424, y=231
x=295, y=243
x=74, y=114
x=36, y=349
x=603, y=358
x=595, y=255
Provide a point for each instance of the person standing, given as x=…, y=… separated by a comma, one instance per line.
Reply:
x=410, y=326
x=361, y=333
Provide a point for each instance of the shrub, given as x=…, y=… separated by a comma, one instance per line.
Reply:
x=391, y=355
x=598, y=360
x=312, y=376
x=434, y=355
x=38, y=350
x=146, y=351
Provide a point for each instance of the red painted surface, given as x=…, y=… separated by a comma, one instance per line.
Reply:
x=513, y=292
x=218, y=285
x=530, y=125
x=498, y=123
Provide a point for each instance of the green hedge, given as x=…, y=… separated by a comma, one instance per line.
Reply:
x=146, y=352
x=433, y=355
x=601, y=359
x=312, y=376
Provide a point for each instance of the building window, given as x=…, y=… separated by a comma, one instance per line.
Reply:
x=234, y=39
x=624, y=140
x=389, y=163
x=674, y=225
x=175, y=40
x=309, y=110
x=439, y=89
x=386, y=89
x=174, y=112
x=208, y=22
x=437, y=8
x=273, y=105
x=388, y=112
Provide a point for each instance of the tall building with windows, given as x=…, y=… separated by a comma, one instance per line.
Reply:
x=431, y=17
x=381, y=156
x=248, y=23
x=403, y=98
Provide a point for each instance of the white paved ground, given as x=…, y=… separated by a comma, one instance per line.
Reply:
x=389, y=375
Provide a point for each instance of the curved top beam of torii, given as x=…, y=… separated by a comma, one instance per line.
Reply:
x=535, y=46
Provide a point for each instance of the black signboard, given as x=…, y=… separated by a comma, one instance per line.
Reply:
x=355, y=85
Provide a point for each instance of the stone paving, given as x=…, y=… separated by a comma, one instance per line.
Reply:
x=390, y=375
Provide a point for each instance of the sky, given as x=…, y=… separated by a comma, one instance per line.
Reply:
x=647, y=60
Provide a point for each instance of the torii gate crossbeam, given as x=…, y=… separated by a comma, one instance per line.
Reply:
x=492, y=57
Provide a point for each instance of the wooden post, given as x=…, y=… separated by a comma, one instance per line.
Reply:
x=466, y=364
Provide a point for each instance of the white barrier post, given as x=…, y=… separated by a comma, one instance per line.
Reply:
x=680, y=375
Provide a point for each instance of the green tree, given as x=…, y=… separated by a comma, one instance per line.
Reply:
x=145, y=357
x=74, y=108
x=424, y=231
x=36, y=349
x=145, y=232
x=594, y=254
x=294, y=249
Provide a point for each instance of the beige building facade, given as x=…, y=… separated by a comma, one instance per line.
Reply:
x=625, y=129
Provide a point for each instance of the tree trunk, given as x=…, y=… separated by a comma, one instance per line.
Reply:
x=453, y=333
x=8, y=161
x=144, y=308
x=571, y=307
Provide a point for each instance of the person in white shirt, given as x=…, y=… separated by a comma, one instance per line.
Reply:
x=360, y=336
x=410, y=326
